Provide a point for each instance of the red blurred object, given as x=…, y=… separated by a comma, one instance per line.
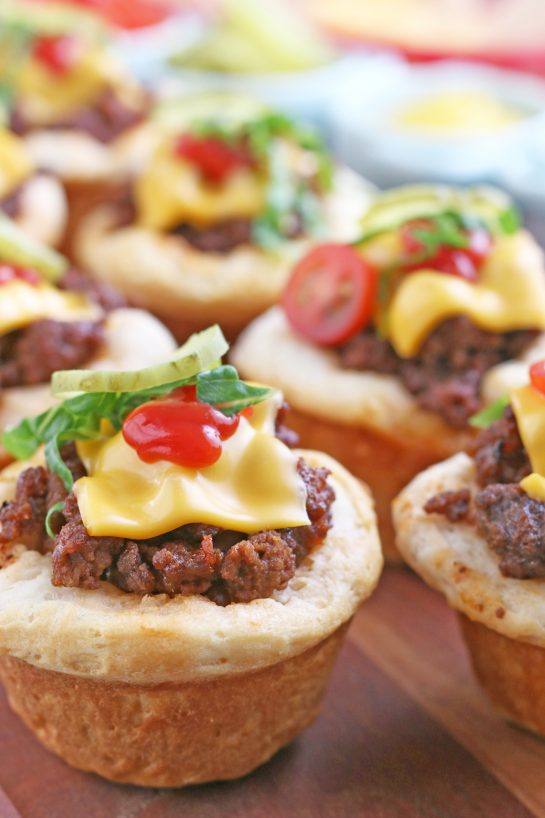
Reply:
x=215, y=158
x=464, y=262
x=129, y=14
x=504, y=33
x=537, y=376
x=532, y=62
x=58, y=54
x=10, y=272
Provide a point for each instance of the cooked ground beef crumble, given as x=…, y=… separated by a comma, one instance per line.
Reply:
x=226, y=566
x=30, y=356
x=106, y=119
x=445, y=376
x=511, y=522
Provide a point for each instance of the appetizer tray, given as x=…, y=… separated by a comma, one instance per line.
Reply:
x=404, y=733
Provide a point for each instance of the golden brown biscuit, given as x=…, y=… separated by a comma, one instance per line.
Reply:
x=503, y=619
x=188, y=289
x=158, y=691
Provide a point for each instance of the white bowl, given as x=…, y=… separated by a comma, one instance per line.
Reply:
x=365, y=134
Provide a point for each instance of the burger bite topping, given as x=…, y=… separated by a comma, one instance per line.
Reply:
x=215, y=158
x=199, y=496
x=437, y=291
x=43, y=327
x=508, y=506
x=258, y=179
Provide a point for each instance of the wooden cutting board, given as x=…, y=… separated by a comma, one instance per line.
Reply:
x=404, y=733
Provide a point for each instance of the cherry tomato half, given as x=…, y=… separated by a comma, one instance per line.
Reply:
x=215, y=158
x=537, y=376
x=330, y=295
x=179, y=429
x=58, y=54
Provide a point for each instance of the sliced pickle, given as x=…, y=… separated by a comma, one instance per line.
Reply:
x=222, y=107
x=18, y=248
x=286, y=38
x=201, y=351
x=258, y=38
x=487, y=205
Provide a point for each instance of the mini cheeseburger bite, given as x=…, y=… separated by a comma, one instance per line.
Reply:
x=474, y=528
x=35, y=201
x=384, y=349
x=81, y=114
x=171, y=608
x=220, y=212
x=51, y=318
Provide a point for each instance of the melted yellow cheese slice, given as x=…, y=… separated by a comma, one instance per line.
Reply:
x=21, y=304
x=170, y=191
x=46, y=97
x=253, y=486
x=509, y=295
x=529, y=408
x=15, y=162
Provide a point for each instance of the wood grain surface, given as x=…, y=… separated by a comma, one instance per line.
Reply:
x=404, y=733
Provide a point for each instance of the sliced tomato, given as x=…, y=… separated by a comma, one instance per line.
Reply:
x=330, y=295
x=537, y=376
x=215, y=158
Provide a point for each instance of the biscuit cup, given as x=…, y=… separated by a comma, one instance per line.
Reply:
x=501, y=617
x=189, y=289
x=42, y=210
x=92, y=173
x=166, y=692
x=512, y=673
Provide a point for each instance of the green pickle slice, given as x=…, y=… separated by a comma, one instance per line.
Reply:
x=486, y=205
x=201, y=351
x=18, y=248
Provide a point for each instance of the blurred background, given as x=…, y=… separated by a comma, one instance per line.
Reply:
x=404, y=90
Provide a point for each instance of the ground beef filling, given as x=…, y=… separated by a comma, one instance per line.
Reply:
x=446, y=375
x=99, y=292
x=511, y=522
x=218, y=238
x=105, y=120
x=226, y=566
x=29, y=356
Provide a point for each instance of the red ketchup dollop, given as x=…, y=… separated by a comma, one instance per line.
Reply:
x=464, y=262
x=11, y=272
x=57, y=53
x=179, y=429
x=215, y=158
